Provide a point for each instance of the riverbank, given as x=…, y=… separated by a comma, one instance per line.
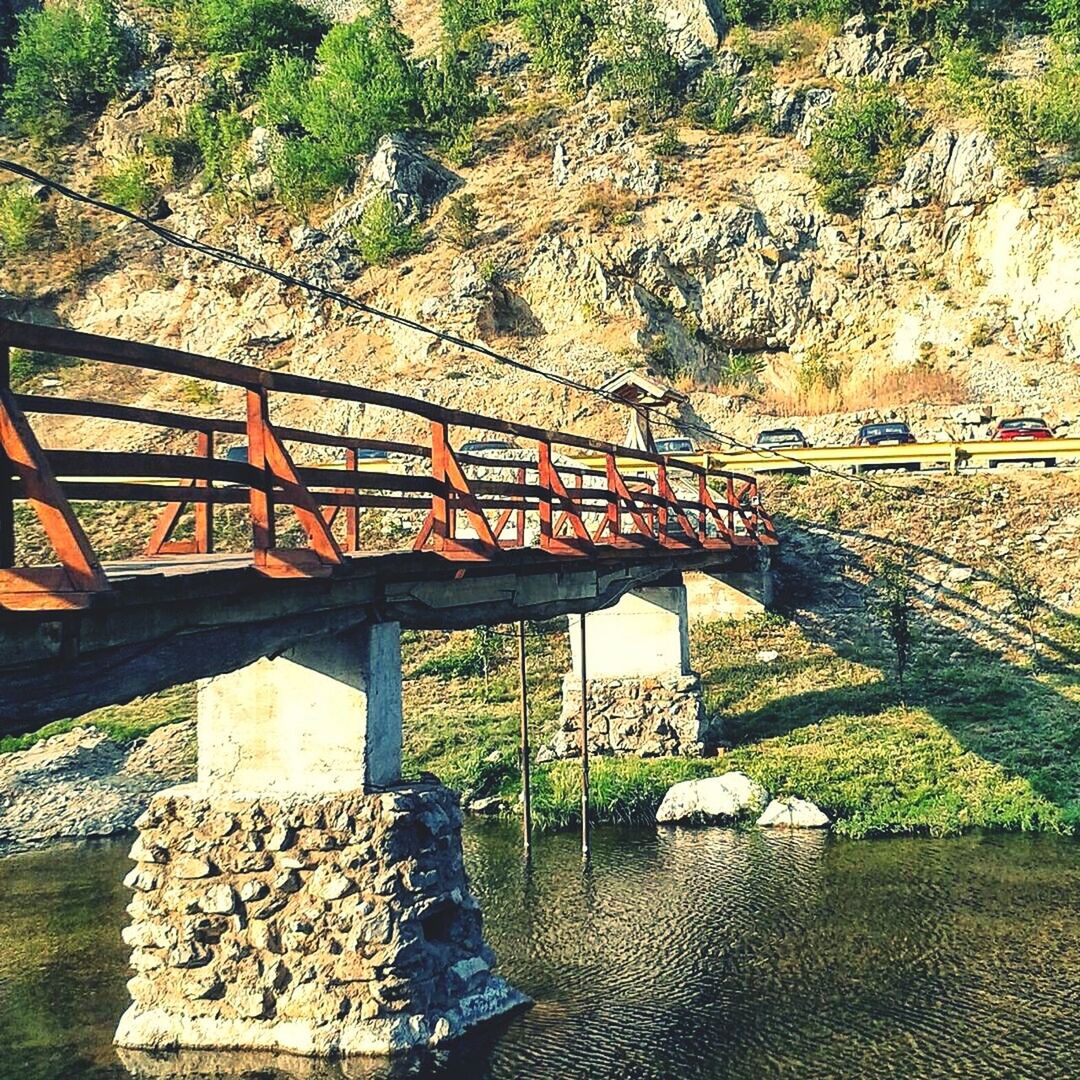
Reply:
x=989, y=736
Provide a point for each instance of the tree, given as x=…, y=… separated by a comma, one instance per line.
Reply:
x=894, y=606
x=1022, y=586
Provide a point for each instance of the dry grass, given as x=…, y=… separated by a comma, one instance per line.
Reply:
x=916, y=385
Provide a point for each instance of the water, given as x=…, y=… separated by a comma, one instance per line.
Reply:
x=691, y=954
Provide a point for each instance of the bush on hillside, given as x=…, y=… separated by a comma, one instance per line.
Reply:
x=362, y=86
x=218, y=131
x=68, y=59
x=21, y=218
x=864, y=136
x=449, y=97
x=560, y=34
x=461, y=16
x=640, y=67
x=1064, y=16
x=382, y=234
x=251, y=31
x=129, y=185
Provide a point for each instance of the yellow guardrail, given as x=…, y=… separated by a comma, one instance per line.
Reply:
x=950, y=455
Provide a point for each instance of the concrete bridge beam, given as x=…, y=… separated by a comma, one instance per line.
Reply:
x=643, y=696
x=299, y=897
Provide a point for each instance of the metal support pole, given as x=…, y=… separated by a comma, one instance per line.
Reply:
x=526, y=779
x=7, y=500
x=584, y=748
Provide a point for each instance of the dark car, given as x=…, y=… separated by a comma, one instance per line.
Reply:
x=1022, y=429
x=674, y=446
x=481, y=446
x=780, y=439
x=890, y=433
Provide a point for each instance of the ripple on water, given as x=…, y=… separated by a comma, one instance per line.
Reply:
x=676, y=953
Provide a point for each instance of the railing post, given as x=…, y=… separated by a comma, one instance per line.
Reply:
x=520, y=514
x=543, y=463
x=352, y=513
x=441, y=508
x=614, y=510
x=7, y=496
x=262, y=498
x=204, y=511
x=731, y=505
x=663, y=510
x=703, y=498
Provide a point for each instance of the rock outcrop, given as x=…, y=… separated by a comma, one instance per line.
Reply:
x=721, y=799
x=83, y=784
x=862, y=51
x=404, y=173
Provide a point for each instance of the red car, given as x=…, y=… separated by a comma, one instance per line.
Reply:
x=1019, y=429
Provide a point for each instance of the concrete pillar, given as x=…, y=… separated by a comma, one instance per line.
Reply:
x=323, y=716
x=299, y=897
x=644, y=698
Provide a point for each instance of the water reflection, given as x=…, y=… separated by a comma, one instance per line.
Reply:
x=690, y=953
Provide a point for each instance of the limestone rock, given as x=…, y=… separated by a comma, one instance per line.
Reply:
x=401, y=170
x=715, y=798
x=694, y=28
x=793, y=813
x=861, y=51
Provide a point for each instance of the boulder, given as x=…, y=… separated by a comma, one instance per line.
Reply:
x=793, y=813
x=715, y=798
x=399, y=169
x=695, y=29
x=863, y=52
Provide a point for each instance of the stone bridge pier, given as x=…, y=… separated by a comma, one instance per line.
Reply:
x=299, y=897
x=643, y=697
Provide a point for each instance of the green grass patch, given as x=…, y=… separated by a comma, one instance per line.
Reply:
x=124, y=723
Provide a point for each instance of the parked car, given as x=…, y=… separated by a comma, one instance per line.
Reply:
x=1022, y=429
x=480, y=446
x=890, y=433
x=675, y=446
x=780, y=439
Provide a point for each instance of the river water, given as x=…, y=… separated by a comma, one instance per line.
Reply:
x=689, y=954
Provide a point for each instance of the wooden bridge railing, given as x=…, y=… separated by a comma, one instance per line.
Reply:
x=576, y=510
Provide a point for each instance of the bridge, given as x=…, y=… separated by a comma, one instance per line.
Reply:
x=300, y=896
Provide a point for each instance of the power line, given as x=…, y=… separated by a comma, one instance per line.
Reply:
x=233, y=258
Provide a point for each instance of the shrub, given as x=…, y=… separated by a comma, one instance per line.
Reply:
x=68, y=59
x=863, y=136
x=462, y=219
x=252, y=31
x=460, y=16
x=218, y=131
x=561, y=33
x=1064, y=18
x=28, y=364
x=818, y=374
x=363, y=86
x=20, y=218
x=640, y=67
x=1011, y=114
x=129, y=186
x=449, y=98
x=382, y=234
x=741, y=371
x=1059, y=107
x=964, y=71
x=718, y=99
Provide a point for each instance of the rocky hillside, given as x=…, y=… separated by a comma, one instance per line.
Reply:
x=783, y=216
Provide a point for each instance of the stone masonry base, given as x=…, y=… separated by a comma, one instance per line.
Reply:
x=649, y=717
x=319, y=925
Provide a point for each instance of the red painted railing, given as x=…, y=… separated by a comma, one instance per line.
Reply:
x=575, y=511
